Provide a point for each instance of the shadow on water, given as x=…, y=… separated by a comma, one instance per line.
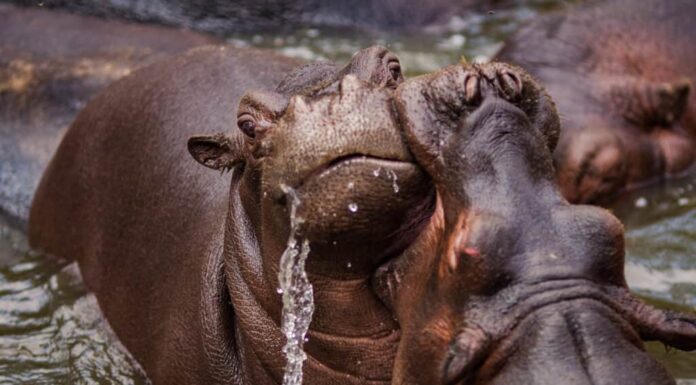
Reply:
x=51, y=331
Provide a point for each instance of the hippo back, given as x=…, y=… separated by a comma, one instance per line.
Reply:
x=122, y=191
x=51, y=63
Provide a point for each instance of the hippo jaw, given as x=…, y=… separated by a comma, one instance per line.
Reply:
x=510, y=284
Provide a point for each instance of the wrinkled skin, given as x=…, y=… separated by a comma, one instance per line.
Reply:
x=428, y=283
x=509, y=283
x=621, y=74
x=170, y=244
x=51, y=64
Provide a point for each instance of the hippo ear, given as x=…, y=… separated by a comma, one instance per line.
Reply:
x=650, y=104
x=218, y=151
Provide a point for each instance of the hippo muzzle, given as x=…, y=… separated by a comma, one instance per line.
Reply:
x=510, y=284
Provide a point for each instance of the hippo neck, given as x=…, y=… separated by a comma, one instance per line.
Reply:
x=257, y=337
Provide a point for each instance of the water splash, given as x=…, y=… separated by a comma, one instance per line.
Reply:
x=298, y=295
x=353, y=207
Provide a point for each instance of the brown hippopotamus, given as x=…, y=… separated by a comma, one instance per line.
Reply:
x=51, y=63
x=441, y=250
x=621, y=75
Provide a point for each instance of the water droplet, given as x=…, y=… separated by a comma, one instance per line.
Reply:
x=334, y=243
x=641, y=202
x=351, y=185
x=349, y=265
x=395, y=186
x=353, y=207
x=376, y=171
x=279, y=291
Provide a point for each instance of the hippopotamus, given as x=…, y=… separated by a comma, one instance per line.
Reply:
x=440, y=249
x=621, y=74
x=51, y=63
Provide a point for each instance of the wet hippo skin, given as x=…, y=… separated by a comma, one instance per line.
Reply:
x=621, y=73
x=51, y=64
x=430, y=283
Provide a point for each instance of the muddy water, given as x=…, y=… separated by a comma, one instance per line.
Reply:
x=50, y=332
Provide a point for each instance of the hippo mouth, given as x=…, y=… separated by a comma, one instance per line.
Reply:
x=365, y=198
x=482, y=348
x=380, y=166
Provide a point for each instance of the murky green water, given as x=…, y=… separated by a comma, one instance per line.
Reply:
x=50, y=330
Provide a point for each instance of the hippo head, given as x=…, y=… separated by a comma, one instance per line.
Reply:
x=622, y=131
x=509, y=283
x=441, y=249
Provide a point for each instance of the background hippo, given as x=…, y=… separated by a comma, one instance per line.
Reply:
x=621, y=75
x=51, y=63
x=185, y=261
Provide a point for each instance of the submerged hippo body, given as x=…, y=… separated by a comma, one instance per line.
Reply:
x=621, y=75
x=51, y=63
x=409, y=287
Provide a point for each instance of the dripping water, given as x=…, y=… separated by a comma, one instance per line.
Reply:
x=298, y=298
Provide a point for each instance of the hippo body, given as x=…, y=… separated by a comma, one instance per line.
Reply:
x=157, y=188
x=51, y=64
x=620, y=73
x=409, y=195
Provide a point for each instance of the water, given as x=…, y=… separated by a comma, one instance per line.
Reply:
x=50, y=332
x=477, y=37
x=298, y=295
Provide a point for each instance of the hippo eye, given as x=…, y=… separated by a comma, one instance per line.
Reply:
x=247, y=124
x=394, y=69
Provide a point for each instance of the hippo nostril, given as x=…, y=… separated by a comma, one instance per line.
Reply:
x=510, y=84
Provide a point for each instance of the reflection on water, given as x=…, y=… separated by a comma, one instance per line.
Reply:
x=51, y=333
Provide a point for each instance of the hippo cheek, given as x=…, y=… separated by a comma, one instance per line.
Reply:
x=364, y=205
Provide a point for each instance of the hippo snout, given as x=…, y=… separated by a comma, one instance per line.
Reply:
x=569, y=329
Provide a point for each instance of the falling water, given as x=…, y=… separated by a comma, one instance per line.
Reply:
x=298, y=298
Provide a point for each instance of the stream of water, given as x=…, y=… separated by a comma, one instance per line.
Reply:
x=298, y=295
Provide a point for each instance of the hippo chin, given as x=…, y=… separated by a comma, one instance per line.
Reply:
x=441, y=250
x=629, y=114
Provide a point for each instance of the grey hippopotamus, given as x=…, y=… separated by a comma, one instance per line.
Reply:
x=442, y=252
x=51, y=63
x=621, y=74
